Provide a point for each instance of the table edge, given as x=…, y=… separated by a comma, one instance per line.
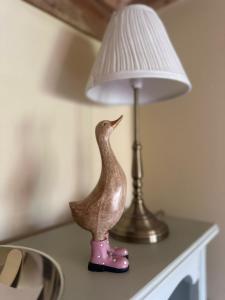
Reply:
x=197, y=245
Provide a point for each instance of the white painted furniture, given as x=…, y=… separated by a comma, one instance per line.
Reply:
x=174, y=269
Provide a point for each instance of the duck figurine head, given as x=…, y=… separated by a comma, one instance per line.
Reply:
x=104, y=129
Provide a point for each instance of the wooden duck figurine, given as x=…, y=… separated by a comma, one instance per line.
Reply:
x=103, y=208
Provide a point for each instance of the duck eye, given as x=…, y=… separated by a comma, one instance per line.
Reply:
x=104, y=123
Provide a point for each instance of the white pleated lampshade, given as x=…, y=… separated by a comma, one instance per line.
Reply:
x=136, y=46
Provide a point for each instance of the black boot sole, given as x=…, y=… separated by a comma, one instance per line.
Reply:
x=102, y=268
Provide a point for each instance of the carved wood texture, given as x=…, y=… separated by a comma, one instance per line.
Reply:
x=89, y=16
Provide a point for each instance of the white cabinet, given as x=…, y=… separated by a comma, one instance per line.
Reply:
x=173, y=269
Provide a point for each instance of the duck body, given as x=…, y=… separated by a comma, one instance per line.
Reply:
x=103, y=208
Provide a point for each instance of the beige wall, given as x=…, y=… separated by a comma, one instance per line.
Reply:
x=184, y=139
x=48, y=153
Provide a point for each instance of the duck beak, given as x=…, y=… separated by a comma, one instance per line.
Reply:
x=116, y=122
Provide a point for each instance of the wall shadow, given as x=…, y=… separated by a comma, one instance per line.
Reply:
x=65, y=78
x=22, y=184
x=69, y=66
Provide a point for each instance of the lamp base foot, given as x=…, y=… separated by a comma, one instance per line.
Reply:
x=139, y=225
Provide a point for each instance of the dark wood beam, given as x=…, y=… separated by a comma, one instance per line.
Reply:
x=89, y=16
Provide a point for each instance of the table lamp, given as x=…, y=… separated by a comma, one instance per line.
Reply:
x=137, y=64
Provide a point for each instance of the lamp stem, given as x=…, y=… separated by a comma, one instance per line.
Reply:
x=138, y=224
x=137, y=167
x=136, y=115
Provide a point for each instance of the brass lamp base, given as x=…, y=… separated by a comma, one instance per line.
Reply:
x=139, y=225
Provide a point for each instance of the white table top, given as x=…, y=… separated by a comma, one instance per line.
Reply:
x=69, y=245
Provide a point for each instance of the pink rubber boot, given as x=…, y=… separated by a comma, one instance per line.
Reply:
x=100, y=260
x=116, y=252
